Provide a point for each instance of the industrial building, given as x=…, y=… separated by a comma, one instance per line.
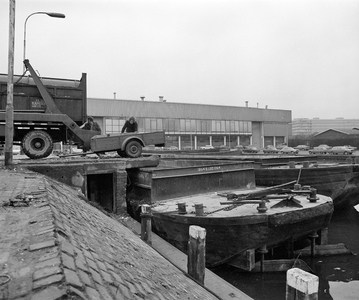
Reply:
x=304, y=126
x=195, y=125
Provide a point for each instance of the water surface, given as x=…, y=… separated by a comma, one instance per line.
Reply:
x=338, y=274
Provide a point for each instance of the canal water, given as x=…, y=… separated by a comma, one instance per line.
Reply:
x=338, y=274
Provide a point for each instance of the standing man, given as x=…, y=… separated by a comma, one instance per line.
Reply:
x=130, y=125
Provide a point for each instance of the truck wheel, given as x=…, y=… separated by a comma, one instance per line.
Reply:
x=37, y=144
x=133, y=149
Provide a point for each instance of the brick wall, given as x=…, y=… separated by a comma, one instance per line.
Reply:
x=120, y=191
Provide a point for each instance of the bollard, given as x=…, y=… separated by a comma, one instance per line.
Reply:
x=196, y=262
x=306, y=164
x=182, y=208
x=313, y=195
x=199, y=209
x=348, y=160
x=291, y=165
x=146, y=230
x=297, y=187
x=301, y=285
x=262, y=208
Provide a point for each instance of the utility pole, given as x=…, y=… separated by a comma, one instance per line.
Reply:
x=9, y=114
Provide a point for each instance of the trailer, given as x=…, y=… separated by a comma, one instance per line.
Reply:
x=50, y=110
x=127, y=144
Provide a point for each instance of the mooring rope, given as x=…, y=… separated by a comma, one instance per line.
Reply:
x=300, y=172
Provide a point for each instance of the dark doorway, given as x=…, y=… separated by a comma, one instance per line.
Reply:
x=100, y=190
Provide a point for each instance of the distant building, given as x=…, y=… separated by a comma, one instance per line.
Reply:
x=336, y=133
x=304, y=126
x=195, y=125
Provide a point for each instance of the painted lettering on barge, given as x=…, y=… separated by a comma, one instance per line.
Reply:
x=206, y=169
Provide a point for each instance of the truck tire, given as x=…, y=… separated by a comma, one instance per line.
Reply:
x=133, y=149
x=37, y=144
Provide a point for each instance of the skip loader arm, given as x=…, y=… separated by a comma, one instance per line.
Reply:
x=51, y=108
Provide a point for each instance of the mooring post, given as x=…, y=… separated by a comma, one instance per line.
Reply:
x=313, y=236
x=262, y=250
x=324, y=236
x=301, y=285
x=146, y=230
x=196, y=263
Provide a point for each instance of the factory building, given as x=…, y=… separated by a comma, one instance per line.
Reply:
x=195, y=125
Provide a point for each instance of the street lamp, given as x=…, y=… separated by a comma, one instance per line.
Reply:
x=50, y=14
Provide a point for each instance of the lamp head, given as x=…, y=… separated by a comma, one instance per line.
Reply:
x=55, y=15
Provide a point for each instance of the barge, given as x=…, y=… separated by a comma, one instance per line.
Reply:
x=234, y=224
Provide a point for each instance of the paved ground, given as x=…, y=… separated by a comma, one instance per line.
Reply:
x=54, y=245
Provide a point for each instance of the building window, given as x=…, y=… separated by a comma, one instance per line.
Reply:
x=171, y=125
x=114, y=125
x=187, y=125
x=245, y=127
x=216, y=126
x=231, y=126
x=203, y=126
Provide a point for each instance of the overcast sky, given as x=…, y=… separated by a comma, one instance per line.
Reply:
x=295, y=55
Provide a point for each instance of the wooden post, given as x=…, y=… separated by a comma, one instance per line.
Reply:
x=312, y=237
x=146, y=230
x=324, y=236
x=9, y=114
x=196, y=263
x=301, y=285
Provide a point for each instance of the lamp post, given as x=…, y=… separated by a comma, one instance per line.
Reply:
x=50, y=14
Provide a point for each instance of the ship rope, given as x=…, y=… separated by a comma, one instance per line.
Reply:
x=300, y=172
x=227, y=208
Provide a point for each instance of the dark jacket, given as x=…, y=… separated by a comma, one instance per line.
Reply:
x=128, y=127
x=94, y=127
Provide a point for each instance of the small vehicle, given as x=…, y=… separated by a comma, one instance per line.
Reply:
x=318, y=150
x=224, y=147
x=302, y=147
x=206, y=147
x=280, y=146
x=239, y=147
x=172, y=148
x=271, y=149
x=127, y=144
x=325, y=146
x=187, y=148
x=289, y=150
x=351, y=147
x=250, y=149
x=340, y=150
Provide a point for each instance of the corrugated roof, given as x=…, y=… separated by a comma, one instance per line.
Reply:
x=150, y=109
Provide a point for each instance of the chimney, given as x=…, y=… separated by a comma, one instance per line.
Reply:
x=161, y=98
x=142, y=98
x=246, y=103
x=114, y=95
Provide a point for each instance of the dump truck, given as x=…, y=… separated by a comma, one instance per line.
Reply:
x=50, y=110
